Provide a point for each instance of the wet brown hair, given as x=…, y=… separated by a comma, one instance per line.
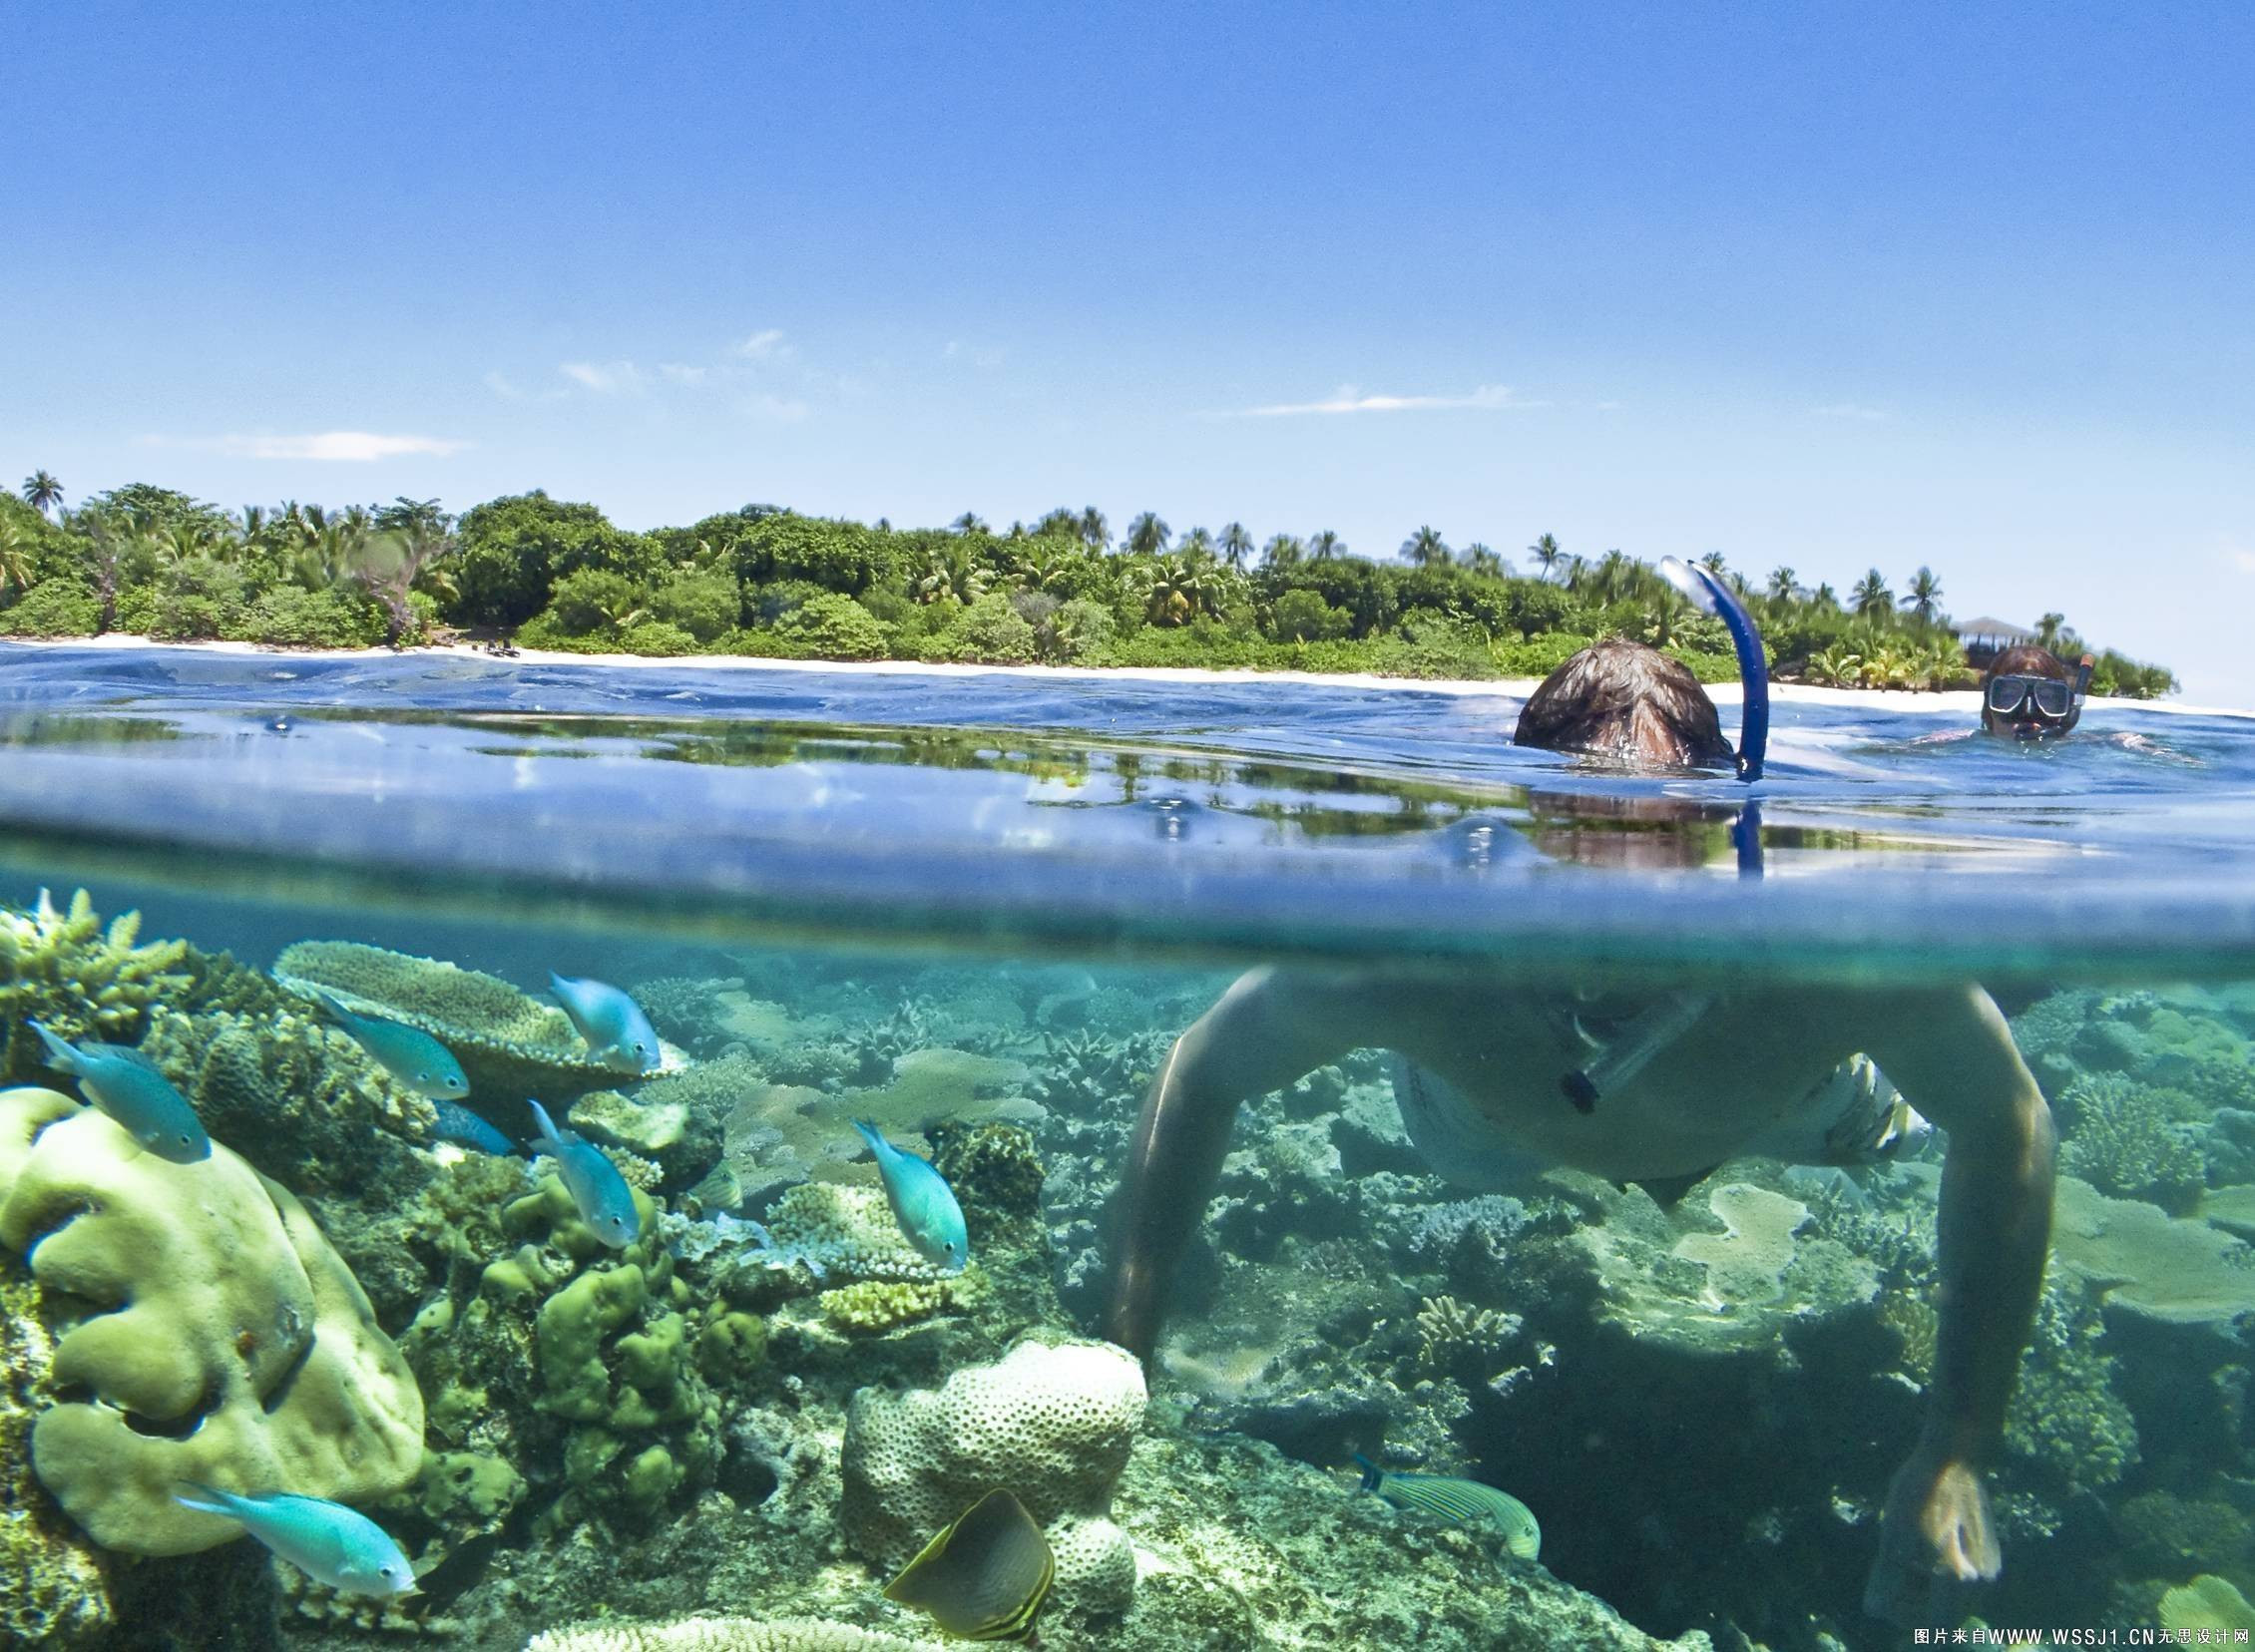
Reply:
x=1623, y=701
x=2026, y=659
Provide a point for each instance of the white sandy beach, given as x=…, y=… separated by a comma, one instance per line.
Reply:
x=1961, y=705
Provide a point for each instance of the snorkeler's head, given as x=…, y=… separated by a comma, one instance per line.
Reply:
x=2028, y=694
x=1623, y=701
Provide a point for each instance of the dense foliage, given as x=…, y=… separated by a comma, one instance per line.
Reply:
x=769, y=581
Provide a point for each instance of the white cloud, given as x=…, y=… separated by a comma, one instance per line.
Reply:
x=1852, y=410
x=604, y=378
x=2238, y=555
x=1348, y=399
x=764, y=346
x=676, y=372
x=981, y=357
x=503, y=388
x=352, y=447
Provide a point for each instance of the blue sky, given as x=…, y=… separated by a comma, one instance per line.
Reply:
x=1831, y=287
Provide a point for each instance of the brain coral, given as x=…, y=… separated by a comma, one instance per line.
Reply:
x=1052, y=1423
x=226, y=1343
x=712, y=1634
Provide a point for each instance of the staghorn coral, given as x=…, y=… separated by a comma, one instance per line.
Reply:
x=225, y=1311
x=66, y=970
x=509, y=1043
x=719, y=1634
x=1052, y=1423
x=2121, y=1141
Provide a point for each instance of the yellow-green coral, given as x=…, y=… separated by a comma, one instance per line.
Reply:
x=226, y=1309
x=2207, y=1602
x=66, y=970
x=871, y=1307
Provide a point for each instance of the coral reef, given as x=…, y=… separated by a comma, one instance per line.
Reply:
x=2123, y=1140
x=236, y=1348
x=2146, y=1262
x=78, y=979
x=1051, y=1423
x=711, y=1634
x=53, y=1591
x=2206, y=1603
x=509, y=1043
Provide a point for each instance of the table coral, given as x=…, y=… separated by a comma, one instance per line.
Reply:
x=236, y=1346
x=1052, y=1423
x=2141, y=1259
x=509, y=1043
x=78, y=979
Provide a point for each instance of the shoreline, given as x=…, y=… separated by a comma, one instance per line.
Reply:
x=1957, y=703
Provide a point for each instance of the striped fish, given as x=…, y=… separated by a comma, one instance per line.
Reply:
x=1464, y=1501
x=986, y=1577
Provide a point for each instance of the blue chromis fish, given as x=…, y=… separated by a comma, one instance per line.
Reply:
x=922, y=1202
x=408, y=1053
x=457, y=1124
x=618, y=1034
x=1465, y=1501
x=131, y=1090
x=606, y=1202
x=338, y=1545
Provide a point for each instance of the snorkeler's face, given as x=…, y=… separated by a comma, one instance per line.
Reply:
x=2028, y=707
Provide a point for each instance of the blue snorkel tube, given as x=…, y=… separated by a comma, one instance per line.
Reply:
x=1710, y=595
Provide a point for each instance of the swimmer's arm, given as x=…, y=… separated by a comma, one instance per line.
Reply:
x=1952, y=1056
x=1269, y=1028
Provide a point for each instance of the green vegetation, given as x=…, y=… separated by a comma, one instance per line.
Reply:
x=768, y=581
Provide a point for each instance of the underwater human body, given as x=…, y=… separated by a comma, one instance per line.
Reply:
x=1712, y=1075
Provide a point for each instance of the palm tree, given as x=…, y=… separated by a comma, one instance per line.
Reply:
x=1147, y=536
x=1713, y=563
x=15, y=556
x=1479, y=559
x=969, y=523
x=1426, y=547
x=1095, y=532
x=1198, y=544
x=1871, y=595
x=390, y=563
x=41, y=491
x=1924, y=594
x=1325, y=547
x=1236, y=545
x=1547, y=553
x=1283, y=551
x=1781, y=584
x=2047, y=631
x=1824, y=596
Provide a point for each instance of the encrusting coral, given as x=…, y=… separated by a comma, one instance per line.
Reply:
x=1051, y=1423
x=78, y=979
x=233, y=1345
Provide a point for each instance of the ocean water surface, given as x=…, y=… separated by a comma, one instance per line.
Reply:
x=978, y=912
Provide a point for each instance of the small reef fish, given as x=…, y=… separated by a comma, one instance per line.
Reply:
x=618, y=1034
x=1466, y=1502
x=458, y=1124
x=985, y=1577
x=338, y=1545
x=408, y=1053
x=922, y=1202
x=129, y=1088
x=606, y=1202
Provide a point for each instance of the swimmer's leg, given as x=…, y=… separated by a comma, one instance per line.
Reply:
x=1269, y=1028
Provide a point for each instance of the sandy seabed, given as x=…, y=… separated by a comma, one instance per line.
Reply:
x=1961, y=705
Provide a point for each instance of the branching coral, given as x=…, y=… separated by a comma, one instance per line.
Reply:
x=2067, y=1422
x=52, y=1589
x=2121, y=1141
x=873, y=1306
x=81, y=980
x=1447, y=1328
x=712, y=1634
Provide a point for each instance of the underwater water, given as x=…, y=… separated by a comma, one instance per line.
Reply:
x=978, y=914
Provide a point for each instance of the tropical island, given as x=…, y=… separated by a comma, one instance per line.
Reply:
x=764, y=581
